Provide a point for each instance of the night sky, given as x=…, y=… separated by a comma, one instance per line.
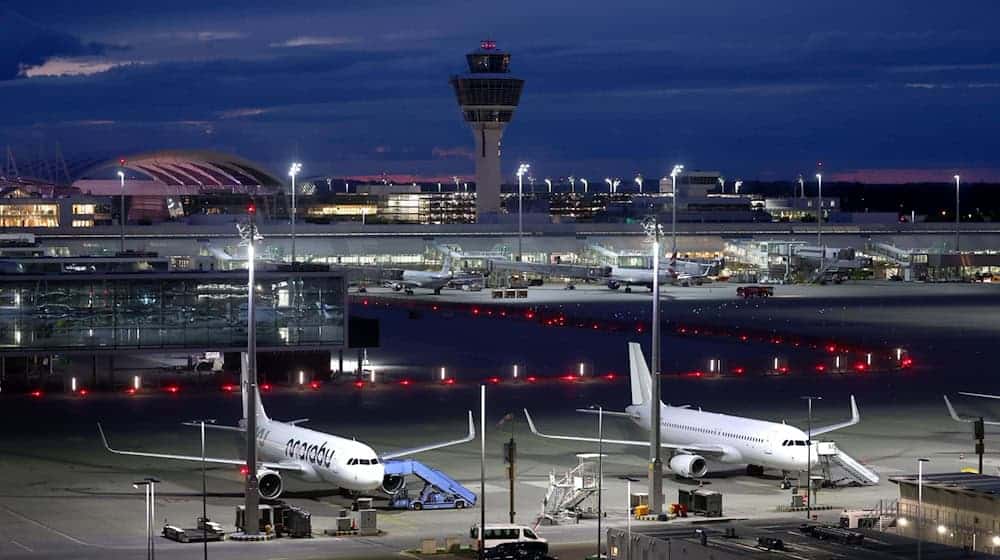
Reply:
x=877, y=90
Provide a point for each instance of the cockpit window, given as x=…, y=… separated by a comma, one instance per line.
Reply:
x=374, y=461
x=364, y=461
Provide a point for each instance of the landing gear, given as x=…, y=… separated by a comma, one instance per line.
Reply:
x=755, y=470
x=628, y=289
x=437, y=291
x=409, y=291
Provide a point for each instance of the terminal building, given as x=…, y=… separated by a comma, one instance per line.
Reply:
x=961, y=510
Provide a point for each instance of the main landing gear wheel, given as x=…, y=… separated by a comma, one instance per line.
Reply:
x=417, y=506
x=459, y=504
x=628, y=289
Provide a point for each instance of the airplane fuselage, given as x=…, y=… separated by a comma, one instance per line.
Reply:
x=746, y=440
x=342, y=462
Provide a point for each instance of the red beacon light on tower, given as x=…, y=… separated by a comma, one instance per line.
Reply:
x=488, y=44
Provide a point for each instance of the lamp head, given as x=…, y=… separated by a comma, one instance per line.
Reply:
x=819, y=176
x=957, y=177
x=294, y=169
x=677, y=170
x=121, y=174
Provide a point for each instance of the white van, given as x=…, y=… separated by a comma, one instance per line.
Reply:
x=502, y=534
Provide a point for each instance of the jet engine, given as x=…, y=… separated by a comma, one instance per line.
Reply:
x=613, y=284
x=688, y=466
x=393, y=483
x=269, y=484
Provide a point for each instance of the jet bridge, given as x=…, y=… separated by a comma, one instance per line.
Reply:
x=440, y=491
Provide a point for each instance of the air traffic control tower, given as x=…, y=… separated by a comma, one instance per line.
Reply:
x=488, y=95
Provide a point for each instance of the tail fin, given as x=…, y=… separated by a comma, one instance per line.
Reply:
x=639, y=376
x=446, y=264
x=245, y=387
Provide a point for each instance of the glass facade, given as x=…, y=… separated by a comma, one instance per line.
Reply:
x=170, y=311
x=20, y=215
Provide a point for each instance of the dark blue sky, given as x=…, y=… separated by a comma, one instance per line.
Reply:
x=876, y=89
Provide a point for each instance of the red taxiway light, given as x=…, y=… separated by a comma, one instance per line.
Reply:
x=531, y=379
x=610, y=376
x=229, y=388
x=695, y=374
x=314, y=385
x=596, y=326
x=569, y=377
x=244, y=470
x=831, y=348
x=529, y=315
x=172, y=389
x=364, y=302
x=494, y=380
x=503, y=313
x=744, y=337
x=449, y=381
x=475, y=311
x=739, y=371
x=82, y=392
x=404, y=382
x=906, y=362
x=434, y=308
x=783, y=369
x=639, y=329
x=359, y=384
x=265, y=387
x=130, y=391
x=37, y=394
x=820, y=368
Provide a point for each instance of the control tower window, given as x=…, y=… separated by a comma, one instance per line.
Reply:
x=489, y=63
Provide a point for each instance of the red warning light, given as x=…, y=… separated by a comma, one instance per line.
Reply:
x=172, y=389
x=739, y=370
x=314, y=385
x=251, y=208
x=906, y=362
x=448, y=381
x=495, y=380
x=569, y=378
x=820, y=368
x=529, y=315
x=82, y=392
x=244, y=470
x=831, y=348
x=364, y=302
x=37, y=394
x=475, y=311
x=265, y=387
x=783, y=369
x=860, y=366
x=121, y=162
x=610, y=376
x=531, y=379
x=359, y=384
x=434, y=308
x=404, y=382
x=130, y=391
x=229, y=388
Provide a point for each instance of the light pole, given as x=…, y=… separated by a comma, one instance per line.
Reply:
x=819, y=210
x=920, y=506
x=638, y=181
x=149, y=486
x=249, y=236
x=809, y=497
x=292, y=172
x=457, y=186
x=121, y=219
x=611, y=185
x=722, y=183
x=802, y=186
x=654, y=232
x=628, y=513
x=548, y=182
x=204, y=485
x=737, y=185
x=600, y=473
x=585, y=185
x=958, y=214
x=572, y=184
x=677, y=170
x=482, y=472
x=439, y=187
x=521, y=170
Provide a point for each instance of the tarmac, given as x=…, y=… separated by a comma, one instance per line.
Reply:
x=63, y=495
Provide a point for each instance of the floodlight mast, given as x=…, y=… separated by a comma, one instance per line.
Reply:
x=654, y=232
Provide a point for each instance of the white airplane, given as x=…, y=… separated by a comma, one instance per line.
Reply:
x=679, y=272
x=427, y=279
x=313, y=456
x=971, y=457
x=692, y=435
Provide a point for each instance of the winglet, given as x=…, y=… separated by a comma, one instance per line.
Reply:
x=531, y=423
x=855, y=415
x=980, y=395
x=855, y=419
x=104, y=438
x=472, y=428
x=952, y=412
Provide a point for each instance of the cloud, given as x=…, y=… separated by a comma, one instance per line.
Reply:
x=313, y=41
x=58, y=66
x=462, y=152
x=204, y=36
x=243, y=113
x=26, y=44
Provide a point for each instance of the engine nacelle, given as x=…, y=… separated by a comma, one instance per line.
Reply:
x=392, y=484
x=688, y=466
x=269, y=484
x=614, y=284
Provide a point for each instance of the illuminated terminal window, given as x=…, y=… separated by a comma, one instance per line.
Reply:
x=83, y=209
x=83, y=223
x=29, y=215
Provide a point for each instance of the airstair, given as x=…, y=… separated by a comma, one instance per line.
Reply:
x=830, y=454
x=440, y=491
x=568, y=493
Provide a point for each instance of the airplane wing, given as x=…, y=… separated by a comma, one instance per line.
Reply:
x=215, y=427
x=706, y=449
x=605, y=413
x=855, y=418
x=404, y=452
x=195, y=458
x=980, y=395
x=957, y=418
